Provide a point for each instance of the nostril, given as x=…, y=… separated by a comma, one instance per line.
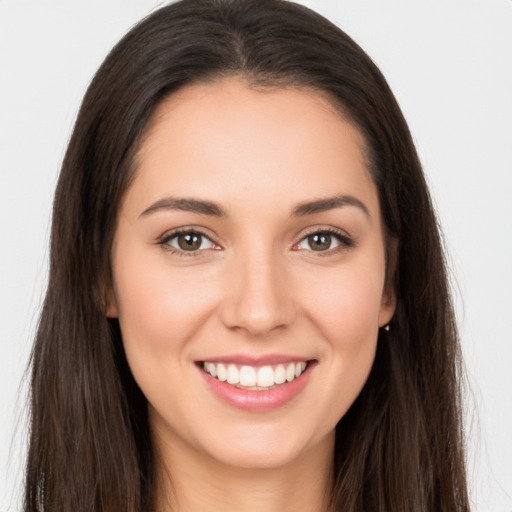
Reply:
x=258, y=300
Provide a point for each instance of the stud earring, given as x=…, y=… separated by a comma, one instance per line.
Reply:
x=386, y=327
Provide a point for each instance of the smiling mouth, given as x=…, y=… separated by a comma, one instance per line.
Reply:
x=254, y=378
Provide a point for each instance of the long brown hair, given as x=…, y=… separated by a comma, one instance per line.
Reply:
x=399, y=448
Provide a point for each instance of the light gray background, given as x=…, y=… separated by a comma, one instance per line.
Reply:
x=449, y=63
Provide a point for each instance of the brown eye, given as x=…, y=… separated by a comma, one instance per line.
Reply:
x=189, y=241
x=325, y=241
x=319, y=241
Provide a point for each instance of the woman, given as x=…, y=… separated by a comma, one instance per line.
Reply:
x=247, y=304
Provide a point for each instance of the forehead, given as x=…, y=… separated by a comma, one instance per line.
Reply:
x=224, y=138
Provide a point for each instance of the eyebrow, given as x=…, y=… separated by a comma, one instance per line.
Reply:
x=329, y=203
x=210, y=208
x=186, y=205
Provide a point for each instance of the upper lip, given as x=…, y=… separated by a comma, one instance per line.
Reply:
x=260, y=360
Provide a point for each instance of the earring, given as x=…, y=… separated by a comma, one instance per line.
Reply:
x=386, y=327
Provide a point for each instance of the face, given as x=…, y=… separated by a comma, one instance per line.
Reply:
x=249, y=272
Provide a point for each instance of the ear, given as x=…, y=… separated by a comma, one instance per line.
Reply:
x=110, y=303
x=388, y=303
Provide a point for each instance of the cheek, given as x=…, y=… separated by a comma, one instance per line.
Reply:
x=161, y=310
x=160, y=307
x=346, y=304
x=344, y=307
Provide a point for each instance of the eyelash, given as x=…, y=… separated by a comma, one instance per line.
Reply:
x=164, y=242
x=345, y=241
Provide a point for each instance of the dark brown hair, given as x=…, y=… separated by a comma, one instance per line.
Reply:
x=399, y=448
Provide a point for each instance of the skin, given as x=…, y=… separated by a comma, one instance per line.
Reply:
x=256, y=288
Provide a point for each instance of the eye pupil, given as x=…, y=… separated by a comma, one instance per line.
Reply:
x=189, y=241
x=319, y=241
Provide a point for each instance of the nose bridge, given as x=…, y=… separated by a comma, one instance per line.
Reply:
x=258, y=299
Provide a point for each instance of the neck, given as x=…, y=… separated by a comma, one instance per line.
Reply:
x=194, y=482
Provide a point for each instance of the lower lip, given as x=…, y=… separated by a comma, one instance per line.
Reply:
x=258, y=401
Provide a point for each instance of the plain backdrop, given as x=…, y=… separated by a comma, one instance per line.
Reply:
x=449, y=63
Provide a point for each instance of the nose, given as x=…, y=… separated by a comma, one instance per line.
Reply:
x=259, y=298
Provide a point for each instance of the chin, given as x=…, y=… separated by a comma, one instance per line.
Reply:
x=263, y=447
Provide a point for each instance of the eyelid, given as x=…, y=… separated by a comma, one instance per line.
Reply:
x=345, y=240
x=164, y=239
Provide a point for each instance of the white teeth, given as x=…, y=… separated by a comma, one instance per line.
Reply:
x=290, y=372
x=250, y=377
x=299, y=368
x=280, y=374
x=247, y=376
x=222, y=373
x=233, y=374
x=266, y=377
